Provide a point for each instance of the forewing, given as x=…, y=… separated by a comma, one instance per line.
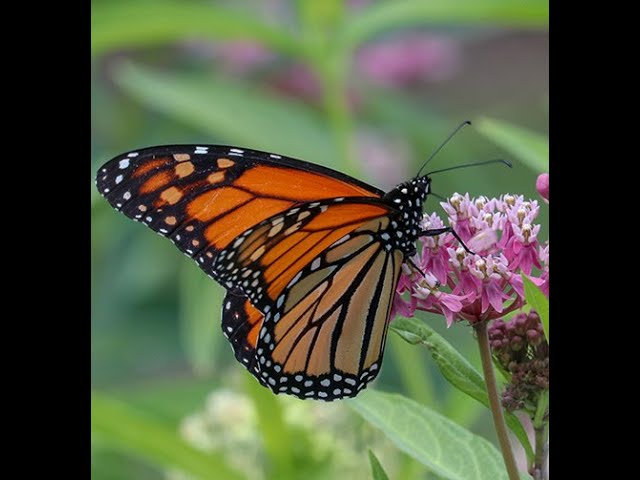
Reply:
x=204, y=197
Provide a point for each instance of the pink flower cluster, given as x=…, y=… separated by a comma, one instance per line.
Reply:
x=481, y=286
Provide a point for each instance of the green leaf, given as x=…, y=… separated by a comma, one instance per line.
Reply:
x=200, y=301
x=120, y=426
x=385, y=16
x=538, y=302
x=447, y=449
x=377, y=471
x=455, y=369
x=116, y=25
x=233, y=113
x=530, y=147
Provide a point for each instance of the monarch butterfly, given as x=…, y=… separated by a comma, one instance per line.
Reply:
x=310, y=257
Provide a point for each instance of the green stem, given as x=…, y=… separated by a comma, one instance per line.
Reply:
x=540, y=429
x=538, y=466
x=332, y=69
x=494, y=401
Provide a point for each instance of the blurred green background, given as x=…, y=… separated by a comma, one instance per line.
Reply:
x=367, y=87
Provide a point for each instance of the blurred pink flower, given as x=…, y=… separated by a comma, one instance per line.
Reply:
x=299, y=82
x=408, y=60
x=240, y=57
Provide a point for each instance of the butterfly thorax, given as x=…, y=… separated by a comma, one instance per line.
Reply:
x=408, y=198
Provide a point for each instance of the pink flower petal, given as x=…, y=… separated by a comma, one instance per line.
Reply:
x=495, y=296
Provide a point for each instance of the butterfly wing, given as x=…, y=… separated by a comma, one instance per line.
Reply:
x=322, y=277
x=241, y=323
x=280, y=234
x=203, y=197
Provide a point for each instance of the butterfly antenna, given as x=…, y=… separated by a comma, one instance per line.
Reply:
x=451, y=135
x=466, y=165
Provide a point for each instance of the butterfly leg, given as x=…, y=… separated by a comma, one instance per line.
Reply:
x=439, y=231
x=415, y=267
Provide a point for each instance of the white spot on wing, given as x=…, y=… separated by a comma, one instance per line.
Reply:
x=123, y=164
x=295, y=279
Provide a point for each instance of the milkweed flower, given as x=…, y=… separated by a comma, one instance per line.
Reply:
x=483, y=285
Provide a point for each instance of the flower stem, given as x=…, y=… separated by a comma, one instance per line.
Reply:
x=494, y=401
x=538, y=467
x=539, y=426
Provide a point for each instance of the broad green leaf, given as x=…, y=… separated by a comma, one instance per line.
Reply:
x=116, y=25
x=122, y=427
x=200, y=313
x=447, y=449
x=538, y=302
x=377, y=472
x=455, y=368
x=532, y=148
x=233, y=113
x=385, y=16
